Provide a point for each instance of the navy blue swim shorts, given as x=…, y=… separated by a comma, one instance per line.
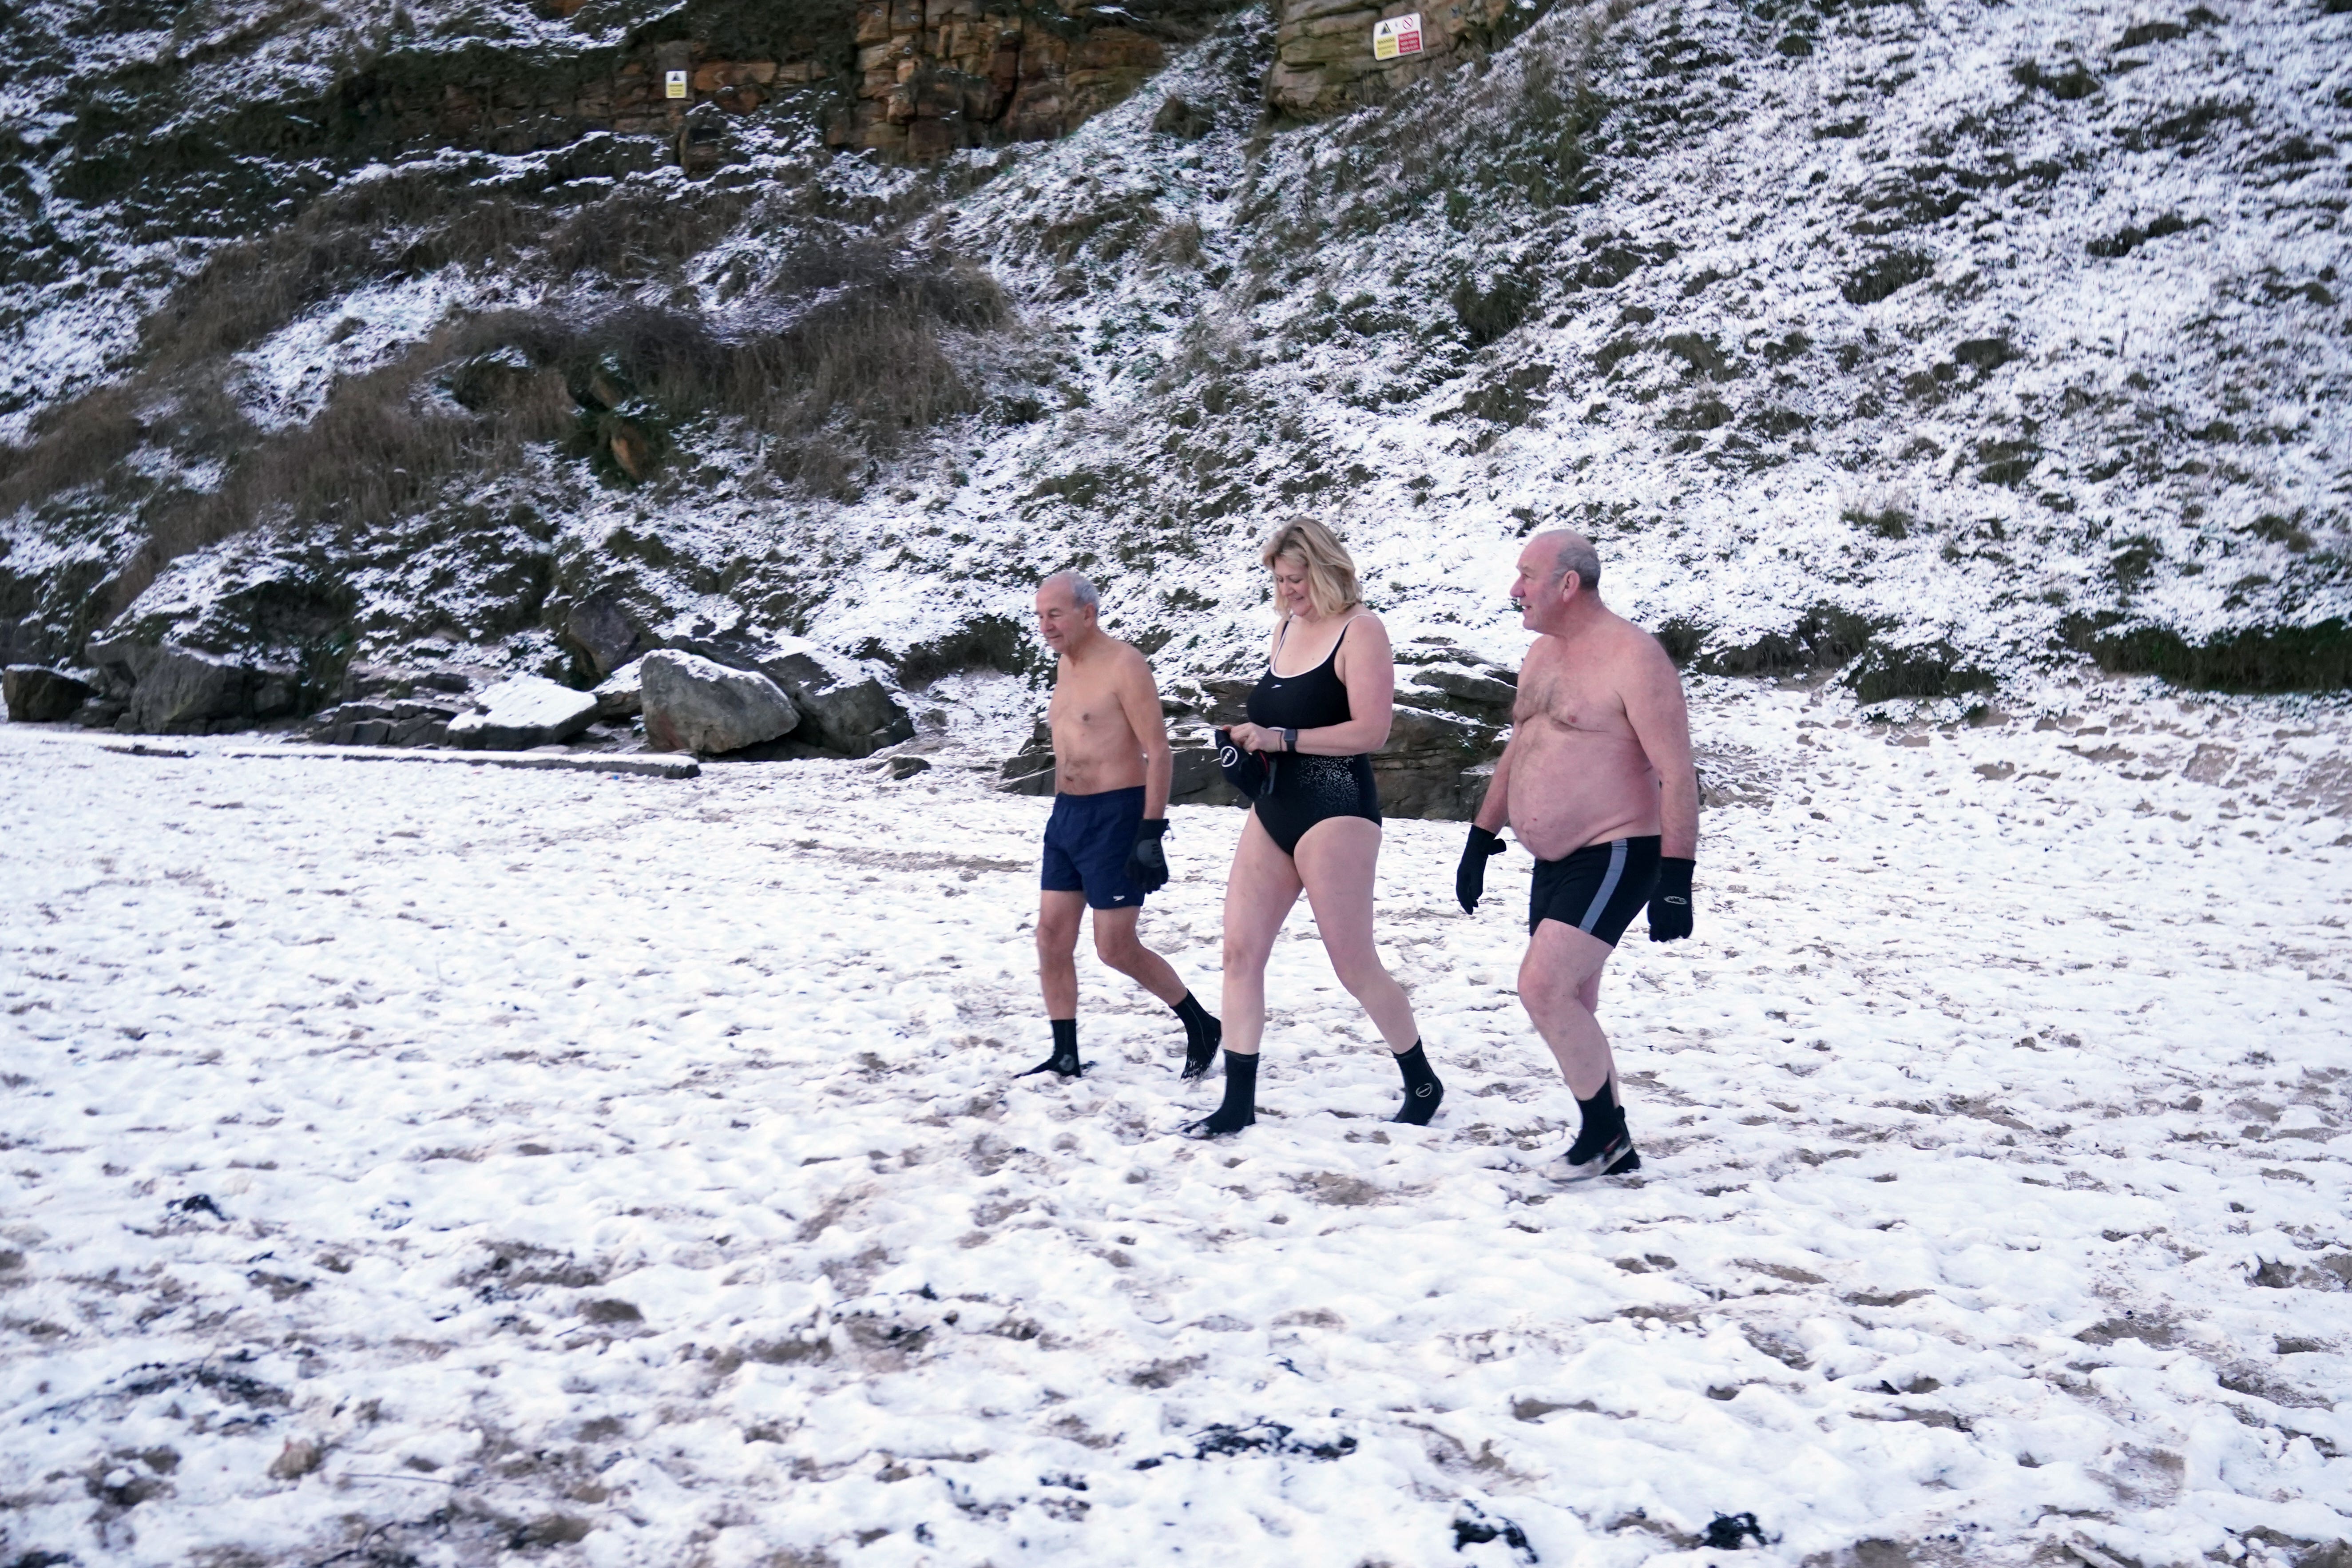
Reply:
x=1086, y=843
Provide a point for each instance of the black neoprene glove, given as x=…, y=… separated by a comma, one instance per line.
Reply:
x=1670, y=906
x=1470, y=877
x=1147, y=863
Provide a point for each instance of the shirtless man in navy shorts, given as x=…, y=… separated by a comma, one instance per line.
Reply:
x=1597, y=781
x=1111, y=774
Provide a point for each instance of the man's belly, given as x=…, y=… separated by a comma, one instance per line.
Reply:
x=1568, y=791
x=1090, y=769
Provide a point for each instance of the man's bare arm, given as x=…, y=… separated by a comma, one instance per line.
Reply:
x=1139, y=700
x=1495, y=809
x=1661, y=721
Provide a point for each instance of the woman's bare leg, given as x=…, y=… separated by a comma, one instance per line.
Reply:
x=1259, y=891
x=1337, y=860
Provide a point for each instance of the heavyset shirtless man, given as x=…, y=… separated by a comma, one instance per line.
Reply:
x=1598, y=783
x=1111, y=774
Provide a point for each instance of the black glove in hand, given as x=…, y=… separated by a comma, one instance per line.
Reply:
x=1147, y=863
x=1670, y=906
x=1470, y=877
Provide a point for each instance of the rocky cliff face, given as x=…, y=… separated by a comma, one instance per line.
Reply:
x=911, y=78
x=936, y=74
x=1945, y=350
x=1325, y=59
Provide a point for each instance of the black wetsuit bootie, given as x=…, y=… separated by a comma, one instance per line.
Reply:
x=1422, y=1093
x=1064, y=1059
x=1202, y=1034
x=1240, y=1109
x=1604, y=1147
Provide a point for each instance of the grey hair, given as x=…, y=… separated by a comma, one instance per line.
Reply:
x=1577, y=555
x=1082, y=592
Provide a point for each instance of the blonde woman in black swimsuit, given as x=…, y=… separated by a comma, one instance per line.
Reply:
x=1319, y=712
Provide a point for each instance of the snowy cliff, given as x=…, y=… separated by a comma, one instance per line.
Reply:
x=1943, y=345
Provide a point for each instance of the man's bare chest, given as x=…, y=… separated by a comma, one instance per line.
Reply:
x=1084, y=709
x=1562, y=701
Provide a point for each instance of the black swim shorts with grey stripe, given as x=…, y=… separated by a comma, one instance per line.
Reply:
x=1598, y=889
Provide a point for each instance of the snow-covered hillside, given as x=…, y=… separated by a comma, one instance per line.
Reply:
x=419, y=1164
x=1941, y=344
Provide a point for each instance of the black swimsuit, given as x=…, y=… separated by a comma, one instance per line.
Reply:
x=1309, y=789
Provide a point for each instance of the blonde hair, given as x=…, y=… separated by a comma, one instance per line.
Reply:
x=1330, y=573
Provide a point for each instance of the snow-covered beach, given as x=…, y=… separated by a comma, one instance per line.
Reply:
x=429, y=1163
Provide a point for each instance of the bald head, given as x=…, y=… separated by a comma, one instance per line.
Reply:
x=1570, y=551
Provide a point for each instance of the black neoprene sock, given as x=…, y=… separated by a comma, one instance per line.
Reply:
x=1064, y=1059
x=1239, y=1108
x=1202, y=1036
x=1422, y=1092
x=1604, y=1119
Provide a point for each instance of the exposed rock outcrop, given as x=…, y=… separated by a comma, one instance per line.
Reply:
x=1453, y=716
x=916, y=78
x=696, y=704
x=937, y=75
x=844, y=709
x=167, y=689
x=36, y=694
x=388, y=721
x=521, y=712
x=1323, y=52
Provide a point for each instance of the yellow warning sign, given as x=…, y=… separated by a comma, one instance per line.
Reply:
x=1397, y=36
x=674, y=82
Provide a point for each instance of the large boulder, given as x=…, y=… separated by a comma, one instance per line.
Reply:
x=521, y=712
x=37, y=694
x=696, y=704
x=842, y=708
x=186, y=691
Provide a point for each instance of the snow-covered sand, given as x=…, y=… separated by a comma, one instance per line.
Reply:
x=631, y=1172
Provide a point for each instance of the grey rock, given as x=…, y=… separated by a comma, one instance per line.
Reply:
x=37, y=694
x=901, y=768
x=1473, y=693
x=696, y=704
x=120, y=659
x=602, y=634
x=621, y=694
x=1195, y=781
x=842, y=708
x=521, y=712
x=99, y=713
x=406, y=722
x=182, y=691
x=27, y=641
x=1435, y=765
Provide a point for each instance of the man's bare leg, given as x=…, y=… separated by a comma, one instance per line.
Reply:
x=1116, y=945
x=1058, y=914
x=1560, y=985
